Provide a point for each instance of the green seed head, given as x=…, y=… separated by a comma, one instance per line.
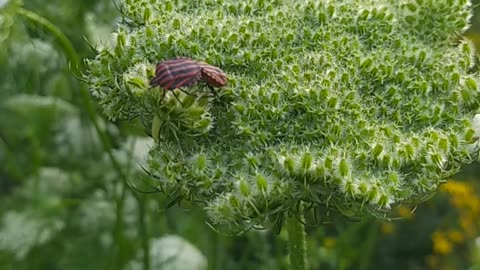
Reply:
x=357, y=105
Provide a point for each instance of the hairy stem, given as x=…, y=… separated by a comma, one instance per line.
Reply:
x=297, y=242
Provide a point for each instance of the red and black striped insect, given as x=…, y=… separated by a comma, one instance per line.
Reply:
x=184, y=72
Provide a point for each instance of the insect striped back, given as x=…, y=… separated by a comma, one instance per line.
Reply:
x=213, y=76
x=184, y=72
x=176, y=73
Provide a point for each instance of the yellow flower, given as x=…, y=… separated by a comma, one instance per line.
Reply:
x=387, y=228
x=455, y=236
x=441, y=244
x=329, y=242
x=432, y=261
x=405, y=212
x=468, y=225
x=455, y=188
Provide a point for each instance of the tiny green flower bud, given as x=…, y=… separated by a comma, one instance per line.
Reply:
x=454, y=140
x=385, y=114
x=392, y=90
x=455, y=78
x=329, y=163
x=121, y=40
x=372, y=194
x=443, y=144
x=234, y=202
x=386, y=159
x=307, y=161
x=377, y=150
x=147, y=14
x=409, y=151
x=244, y=188
x=411, y=6
x=422, y=55
x=394, y=178
x=366, y=63
x=364, y=15
x=320, y=171
x=469, y=135
x=262, y=183
x=437, y=159
x=350, y=188
x=344, y=168
x=410, y=19
x=201, y=163
x=289, y=164
x=384, y=201
x=332, y=102
x=168, y=6
x=397, y=162
x=363, y=188
x=471, y=84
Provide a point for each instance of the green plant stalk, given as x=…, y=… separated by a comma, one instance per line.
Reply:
x=142, y=213
x=142, y=217
x=73, y=57
x=297, y=242
x=63, y=40
x=17, y=175
x=368, y=246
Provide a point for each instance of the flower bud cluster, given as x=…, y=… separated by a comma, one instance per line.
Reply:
x=354, y=105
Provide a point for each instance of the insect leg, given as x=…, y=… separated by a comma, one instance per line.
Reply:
x=163, y=95
x=175, y=95
x=187, y=93
x=213, y=90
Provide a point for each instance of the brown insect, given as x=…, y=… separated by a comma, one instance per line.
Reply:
x=184, y=72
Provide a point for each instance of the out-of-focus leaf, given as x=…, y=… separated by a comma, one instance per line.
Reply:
x=172, y=252
x=59, y=86
x=32, y=105
x=7, y=13
x=21, y=231
x=50, y=182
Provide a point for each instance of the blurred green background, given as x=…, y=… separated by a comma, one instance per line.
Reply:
x=63, y=204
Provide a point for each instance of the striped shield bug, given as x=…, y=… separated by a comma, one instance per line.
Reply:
x=184, y=72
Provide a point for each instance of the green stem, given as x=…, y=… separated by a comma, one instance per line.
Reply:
x=117, y=260
x=143, y=230
x=297, y=242
x=369, y=246
x=73, y=58
x=85, y=96
x=56, y=32
x=156, y=124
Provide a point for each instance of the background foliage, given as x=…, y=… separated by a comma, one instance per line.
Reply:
x=63, y=204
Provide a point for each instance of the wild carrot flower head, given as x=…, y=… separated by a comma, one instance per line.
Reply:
x=352, y=105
